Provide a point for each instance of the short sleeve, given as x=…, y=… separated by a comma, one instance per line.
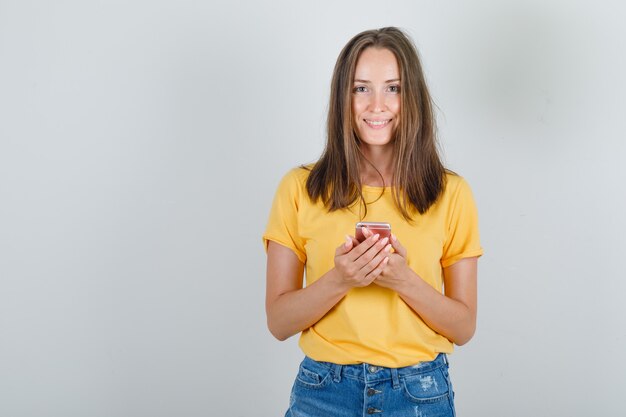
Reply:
x=463, y=240
x=282, y=225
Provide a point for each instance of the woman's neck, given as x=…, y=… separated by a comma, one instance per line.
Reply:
x=380, y=163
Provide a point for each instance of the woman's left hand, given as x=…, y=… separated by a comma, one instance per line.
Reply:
x=452, y=314
x=397, y=272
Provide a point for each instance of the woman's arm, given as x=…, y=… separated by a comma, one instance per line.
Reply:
x=291, y=308
x=452, y=315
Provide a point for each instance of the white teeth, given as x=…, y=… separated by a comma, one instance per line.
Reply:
x=377, y=123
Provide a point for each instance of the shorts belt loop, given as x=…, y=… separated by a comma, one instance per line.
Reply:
x=445, y=358
x=394, y=378
x=336, y=370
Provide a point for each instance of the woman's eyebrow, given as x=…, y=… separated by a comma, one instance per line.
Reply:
x=369, y=82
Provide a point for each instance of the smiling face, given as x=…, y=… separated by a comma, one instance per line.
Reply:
x=376, y=96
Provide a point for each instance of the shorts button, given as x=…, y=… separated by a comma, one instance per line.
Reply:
x=372, y=410
x=373, y=369
x=371, y=391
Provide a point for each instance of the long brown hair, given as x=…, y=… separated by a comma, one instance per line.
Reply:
x=419, y=175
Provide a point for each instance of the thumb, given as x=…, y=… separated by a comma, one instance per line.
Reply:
x=397, y=246
x=345, y=246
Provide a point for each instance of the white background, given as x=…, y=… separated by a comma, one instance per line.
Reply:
x=140, y=147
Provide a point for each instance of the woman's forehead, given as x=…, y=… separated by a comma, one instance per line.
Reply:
x=376, y=64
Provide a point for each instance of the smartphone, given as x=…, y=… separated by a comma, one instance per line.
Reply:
x=381, y=228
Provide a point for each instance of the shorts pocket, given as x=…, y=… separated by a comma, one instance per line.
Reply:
x=427, y=388
x=313, y=375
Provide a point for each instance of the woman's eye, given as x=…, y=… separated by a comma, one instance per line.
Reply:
x=360, y=89
x=394, y=88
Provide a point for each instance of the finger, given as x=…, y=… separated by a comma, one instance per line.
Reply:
x=397, y=246
x=375, y=273
x=345, y=247
x=367, y=258
x=363, y=247
x=370, y=253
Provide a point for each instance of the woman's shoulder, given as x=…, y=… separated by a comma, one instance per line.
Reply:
x=298, y=174
x=294, y=180
x=455, y=183
x=456, y=190
x=453, y=179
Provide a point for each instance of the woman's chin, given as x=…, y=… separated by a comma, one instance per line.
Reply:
x=376, y=141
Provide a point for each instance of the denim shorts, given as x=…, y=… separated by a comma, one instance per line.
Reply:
x=324, y=389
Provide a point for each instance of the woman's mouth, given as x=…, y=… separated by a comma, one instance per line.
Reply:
x=377, y=124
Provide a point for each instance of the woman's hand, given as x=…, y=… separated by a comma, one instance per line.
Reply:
x=291, y=308
x=397, y=272
x=358, y=264
x=452, y=314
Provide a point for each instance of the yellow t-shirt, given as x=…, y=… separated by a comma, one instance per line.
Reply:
x=373, y=324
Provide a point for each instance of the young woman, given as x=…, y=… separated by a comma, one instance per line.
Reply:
x=375, y=321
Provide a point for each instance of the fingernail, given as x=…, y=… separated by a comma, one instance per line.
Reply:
x=393, y=237
x=376, y=236
x=384, y=241
x=388, y=248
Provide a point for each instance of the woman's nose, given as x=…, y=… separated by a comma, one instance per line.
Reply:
x=378, y=102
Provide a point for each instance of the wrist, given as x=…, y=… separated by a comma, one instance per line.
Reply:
x=408, y=286
x=338, y=284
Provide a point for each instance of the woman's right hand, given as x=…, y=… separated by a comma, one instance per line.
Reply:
x=358, y=264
